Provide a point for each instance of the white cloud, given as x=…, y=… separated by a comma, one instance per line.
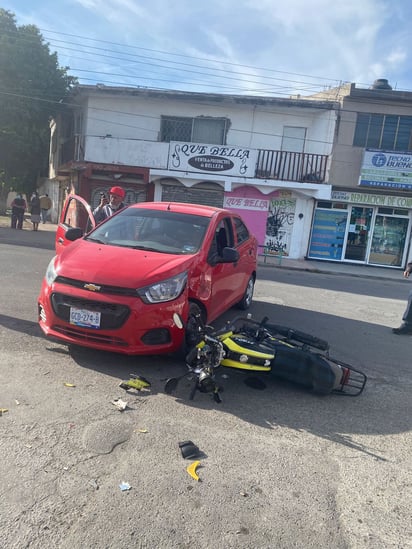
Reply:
x=311, y=43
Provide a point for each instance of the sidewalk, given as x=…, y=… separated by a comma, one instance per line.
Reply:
x=5, y=222
x=332, y=267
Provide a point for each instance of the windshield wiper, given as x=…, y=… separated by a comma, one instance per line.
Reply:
x=148, y=249
x=95, y=240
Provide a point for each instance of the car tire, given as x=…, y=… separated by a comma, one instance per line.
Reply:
x=191, y=332
x=191, y=337
x=246, y=300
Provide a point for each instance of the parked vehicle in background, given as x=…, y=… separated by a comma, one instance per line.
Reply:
x=115, y=286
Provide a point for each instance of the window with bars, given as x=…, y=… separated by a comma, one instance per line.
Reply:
x=383, y=131
x=196, y=130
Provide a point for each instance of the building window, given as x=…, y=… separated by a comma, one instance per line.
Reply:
x=383, y=131
x=195, y=130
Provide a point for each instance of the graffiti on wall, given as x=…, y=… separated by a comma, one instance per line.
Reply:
x=279, y=225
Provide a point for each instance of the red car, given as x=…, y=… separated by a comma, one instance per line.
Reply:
x=117, y=285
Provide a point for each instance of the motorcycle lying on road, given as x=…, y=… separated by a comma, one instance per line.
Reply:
x=263, y=348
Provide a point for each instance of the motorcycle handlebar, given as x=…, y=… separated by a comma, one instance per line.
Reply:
x=265, y=326
x=272, y=329
x=302, y=337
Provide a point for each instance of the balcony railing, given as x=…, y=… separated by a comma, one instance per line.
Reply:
x=271, y=164
x=291, y=166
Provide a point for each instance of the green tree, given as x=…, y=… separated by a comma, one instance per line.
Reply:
x=32, y=89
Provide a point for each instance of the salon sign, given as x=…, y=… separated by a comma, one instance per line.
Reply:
x=222, y=159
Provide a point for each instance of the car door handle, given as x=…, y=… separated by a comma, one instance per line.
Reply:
x=60, y=240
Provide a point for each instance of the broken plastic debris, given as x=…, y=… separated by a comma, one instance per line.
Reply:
x=189, y=449
x=138, y=383
x=141, y=430
x=191, y=469
x=3, y=411
x=93, y=483
x=69, y=384
x=120, y=404
x=124, y=486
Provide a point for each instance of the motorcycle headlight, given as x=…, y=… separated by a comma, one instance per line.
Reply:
x=166, y=290
x=51, y=272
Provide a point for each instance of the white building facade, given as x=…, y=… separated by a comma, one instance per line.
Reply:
x=267, y=157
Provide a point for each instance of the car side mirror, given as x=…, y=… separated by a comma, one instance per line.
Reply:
x=229, y=255
x=73, y=234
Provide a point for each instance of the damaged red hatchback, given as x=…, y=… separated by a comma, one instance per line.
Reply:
x=116, y=286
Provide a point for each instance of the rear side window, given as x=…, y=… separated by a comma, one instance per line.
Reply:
x=242, y=232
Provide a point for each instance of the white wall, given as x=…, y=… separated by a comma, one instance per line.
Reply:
x=114, y=150
x=115, y=126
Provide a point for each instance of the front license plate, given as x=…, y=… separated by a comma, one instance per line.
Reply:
x=85, y=318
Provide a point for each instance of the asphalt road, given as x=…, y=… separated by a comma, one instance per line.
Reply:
x=280, y=467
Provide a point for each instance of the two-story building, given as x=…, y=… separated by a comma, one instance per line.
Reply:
x=268, y=157
x=368, y=218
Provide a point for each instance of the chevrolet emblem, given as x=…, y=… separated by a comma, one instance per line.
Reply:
x=92, y=287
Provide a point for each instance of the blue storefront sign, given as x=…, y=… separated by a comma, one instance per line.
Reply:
x=386, y=169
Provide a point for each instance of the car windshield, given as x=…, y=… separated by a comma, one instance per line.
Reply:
x=159, y=231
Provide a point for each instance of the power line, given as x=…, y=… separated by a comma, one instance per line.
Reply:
x=136, y=59
x=184, y=56
x=157, y=118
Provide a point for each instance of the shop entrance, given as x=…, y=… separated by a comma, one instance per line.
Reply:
x=388, y=240
x=358, y=233
x=374, y=236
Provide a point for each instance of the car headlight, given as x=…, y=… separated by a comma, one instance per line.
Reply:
x=166, y=290
x=51, y=272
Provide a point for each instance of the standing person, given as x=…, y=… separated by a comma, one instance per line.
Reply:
x=106, y=208
x=45, y=205
x=406, y=327
x=35, y=210
x=18, y=207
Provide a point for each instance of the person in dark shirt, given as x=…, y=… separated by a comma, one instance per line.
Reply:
x=18, y=207
x=106, y=207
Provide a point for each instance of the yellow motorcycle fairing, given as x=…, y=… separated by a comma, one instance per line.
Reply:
x=242, y=357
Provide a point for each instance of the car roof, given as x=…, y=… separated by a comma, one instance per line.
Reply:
x=182, y=207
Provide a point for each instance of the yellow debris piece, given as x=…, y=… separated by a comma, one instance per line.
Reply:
x=191, y=469
x=139, y=383
x=68, y=384
x=3, y=411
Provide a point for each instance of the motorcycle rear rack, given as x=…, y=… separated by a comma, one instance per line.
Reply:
x=353, y=381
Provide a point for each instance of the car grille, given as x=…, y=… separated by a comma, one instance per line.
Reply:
x=113, y=316
x=104, y=288
x=82, y=336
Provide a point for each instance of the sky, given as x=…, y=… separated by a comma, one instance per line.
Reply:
x=255, y=47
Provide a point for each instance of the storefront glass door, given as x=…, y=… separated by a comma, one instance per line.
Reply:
x=358, y=233
x=388, y=240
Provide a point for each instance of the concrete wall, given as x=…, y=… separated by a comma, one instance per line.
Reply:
x=347, y=159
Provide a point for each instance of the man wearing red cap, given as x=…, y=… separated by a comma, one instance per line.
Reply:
x=106, y=208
